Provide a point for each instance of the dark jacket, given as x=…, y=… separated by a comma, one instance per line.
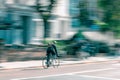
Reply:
x=55, y=49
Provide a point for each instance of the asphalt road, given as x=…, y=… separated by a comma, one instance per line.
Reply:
x=89, y=71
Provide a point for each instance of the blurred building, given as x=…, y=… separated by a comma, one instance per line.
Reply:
x=17, y=22
x=21, y=24
x=24, y=25
x=94, y=12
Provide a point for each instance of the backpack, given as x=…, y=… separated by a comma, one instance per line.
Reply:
x=50, y=48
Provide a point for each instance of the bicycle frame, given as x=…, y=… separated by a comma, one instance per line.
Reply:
x=53, y=61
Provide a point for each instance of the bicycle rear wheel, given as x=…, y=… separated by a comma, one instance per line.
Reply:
x=44, y=63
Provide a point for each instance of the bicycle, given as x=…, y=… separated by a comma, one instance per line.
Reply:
x=54, y=61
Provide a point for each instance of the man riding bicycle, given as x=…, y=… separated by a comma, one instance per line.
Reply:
x=51, y=51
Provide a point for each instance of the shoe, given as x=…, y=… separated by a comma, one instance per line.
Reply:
x=47, y=65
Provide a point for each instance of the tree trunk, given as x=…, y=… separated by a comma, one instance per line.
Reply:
x=46, y=28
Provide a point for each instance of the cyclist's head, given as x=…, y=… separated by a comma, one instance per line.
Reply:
x=49, y=44
x=54, y=42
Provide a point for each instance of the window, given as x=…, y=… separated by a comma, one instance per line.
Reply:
x=75, y=23
x=74, y=12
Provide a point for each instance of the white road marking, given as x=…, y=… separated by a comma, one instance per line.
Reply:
x=71, y=73
x=98, y=77
x=118, y=64
x=92, y=70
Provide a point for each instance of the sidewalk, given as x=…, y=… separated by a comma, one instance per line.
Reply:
x=67, y=61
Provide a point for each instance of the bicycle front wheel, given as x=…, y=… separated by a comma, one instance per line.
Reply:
x=55, y=62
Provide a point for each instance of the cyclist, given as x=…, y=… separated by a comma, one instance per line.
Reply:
x=50, y=52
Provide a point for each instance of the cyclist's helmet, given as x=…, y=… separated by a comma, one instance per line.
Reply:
x=54, y=42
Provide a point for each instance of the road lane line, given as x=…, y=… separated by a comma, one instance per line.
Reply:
x=71, y=73
x=98, y=77
x=92, y=70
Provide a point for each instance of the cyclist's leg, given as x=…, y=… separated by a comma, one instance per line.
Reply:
x=55, y=61
x=48, y=59
x=44, y=63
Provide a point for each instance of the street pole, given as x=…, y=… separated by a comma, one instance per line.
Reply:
x=45, y=12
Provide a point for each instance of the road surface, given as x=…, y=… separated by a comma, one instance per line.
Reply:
x=89, y=71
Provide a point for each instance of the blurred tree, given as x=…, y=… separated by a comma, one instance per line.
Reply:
x=45, y=11
x=111, y=13
x=84, y=14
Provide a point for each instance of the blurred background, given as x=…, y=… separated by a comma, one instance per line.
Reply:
x=80, y=27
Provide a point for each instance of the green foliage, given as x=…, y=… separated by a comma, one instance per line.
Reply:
x=103, y=26
x=117, y=32
x=78, y=36
x=111, y=14
x=84, y=15
x=111, y=11
x=60, y=45
x=104, y=3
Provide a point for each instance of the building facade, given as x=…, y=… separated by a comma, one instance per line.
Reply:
x=25, y=24
x=91, y=6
